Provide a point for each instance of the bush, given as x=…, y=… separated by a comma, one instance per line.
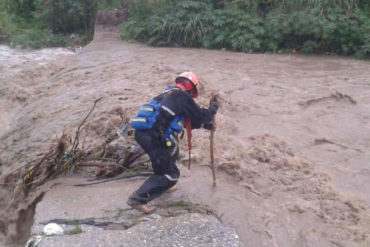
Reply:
x=235, y=30
x=21, y=8
x=45, y=23
x=196, y=24
x=335, y=32
x=260, y=7
x=37, y=38
x=69, y=16
x=110, y=4
x=135, y=28
x=184, y=23
x=318, y=28
x=7, y=25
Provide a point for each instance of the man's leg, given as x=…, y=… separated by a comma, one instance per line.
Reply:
x=160, y=181
x=165, y=175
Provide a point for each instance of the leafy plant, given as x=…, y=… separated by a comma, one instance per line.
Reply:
x=235, y=30
x=260, y=7
x=309, y=26
x=68, y=16
x=135, y=28
x=22, y=8
x=37, y=38
x=44, y=23
x=184, y=23
x=7, y=24
x=321, y=5
x=336, y=32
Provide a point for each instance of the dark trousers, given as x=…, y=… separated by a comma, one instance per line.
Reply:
x=165, y=170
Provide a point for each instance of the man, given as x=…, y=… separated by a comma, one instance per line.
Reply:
x=157, y=126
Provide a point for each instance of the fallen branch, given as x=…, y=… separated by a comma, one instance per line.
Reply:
x=55, y=162
x=136, y=153
x=142, y=174
x=95, y=164
x=335, y=96
x=251, y=189
x=321, y=141
x=76, y=140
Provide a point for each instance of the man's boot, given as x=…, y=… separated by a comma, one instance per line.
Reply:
x=141, y=207
x=172, y=189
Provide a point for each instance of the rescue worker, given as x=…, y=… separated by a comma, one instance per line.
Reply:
x=156, y=127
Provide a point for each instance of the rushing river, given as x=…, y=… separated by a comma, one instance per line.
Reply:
x=293, y=129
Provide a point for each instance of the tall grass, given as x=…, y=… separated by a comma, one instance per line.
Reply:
x=184, y=23
x=321, y=5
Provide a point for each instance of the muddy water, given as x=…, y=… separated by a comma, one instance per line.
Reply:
x=293, y=132
x=21, y=72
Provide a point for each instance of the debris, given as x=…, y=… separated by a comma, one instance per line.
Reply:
x=53, y=229
x=250, y=187
x=321, y=141
x=336, y=96
x=114, y=167
x=142, y=174
x=76, y=140
x=123, y=132
x=77, y=223
x=34, y=241
x=90, y=163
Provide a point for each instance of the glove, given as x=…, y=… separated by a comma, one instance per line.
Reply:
x=208, y=126
x=213, y=107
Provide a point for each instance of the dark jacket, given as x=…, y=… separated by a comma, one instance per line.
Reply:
x=180, y=103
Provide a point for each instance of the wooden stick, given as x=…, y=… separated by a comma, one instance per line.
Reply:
x=211, y=138
x=142, y=174
x=97, y=164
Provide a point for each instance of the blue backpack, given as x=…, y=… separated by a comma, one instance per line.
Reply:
x=147, y=115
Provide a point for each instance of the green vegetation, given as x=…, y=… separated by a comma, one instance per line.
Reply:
x=46, y=23
x=75, y=230
x=187, y=206
x=306, y=26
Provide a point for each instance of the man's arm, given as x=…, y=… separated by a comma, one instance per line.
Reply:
x=197, y=114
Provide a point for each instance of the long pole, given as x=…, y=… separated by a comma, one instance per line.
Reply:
x=211, y=138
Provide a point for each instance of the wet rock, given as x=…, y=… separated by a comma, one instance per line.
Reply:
x=98, y=216
x=184, y=230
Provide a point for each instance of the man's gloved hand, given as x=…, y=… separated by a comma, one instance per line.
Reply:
x=209, y=126
x=213, y=107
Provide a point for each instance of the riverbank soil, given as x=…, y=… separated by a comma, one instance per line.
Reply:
x=291, y=144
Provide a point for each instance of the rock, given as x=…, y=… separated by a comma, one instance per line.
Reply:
x=98, y=216
x=184, y=230
x=53, y=229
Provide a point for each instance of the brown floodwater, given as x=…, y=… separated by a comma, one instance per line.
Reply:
x=292, y=138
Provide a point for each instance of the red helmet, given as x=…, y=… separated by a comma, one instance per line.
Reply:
x=184, y=79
